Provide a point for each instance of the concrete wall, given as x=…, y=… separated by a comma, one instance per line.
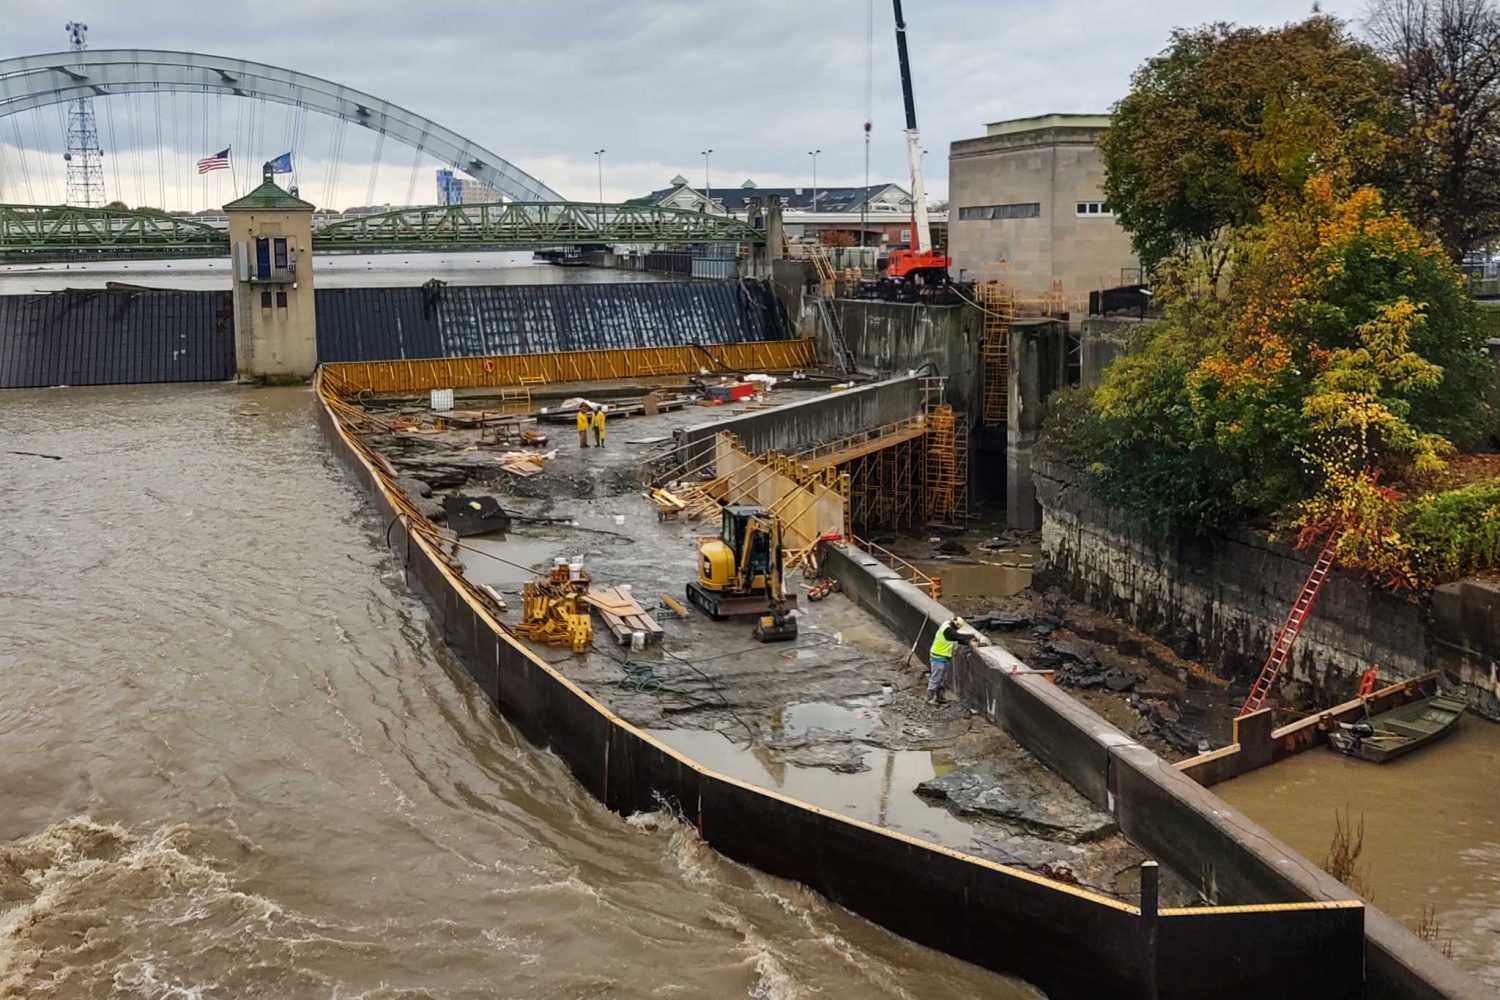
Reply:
x=1100, y=341
x=1055, y=165
x=1224, y=599
x=799, y=426
x=1069, y=943
x=897, y=336
x=1221, y=851
x=1038, y=360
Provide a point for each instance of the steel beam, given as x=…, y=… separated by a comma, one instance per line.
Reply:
x=564, y=366
x=532, y=224
x=46, y=229
x=59, y=77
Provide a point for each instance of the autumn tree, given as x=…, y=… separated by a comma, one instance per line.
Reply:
x=1228, y=119
x=1345, y=345
x=1445, y=74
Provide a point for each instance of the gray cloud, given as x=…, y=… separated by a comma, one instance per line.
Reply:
x=655, y=81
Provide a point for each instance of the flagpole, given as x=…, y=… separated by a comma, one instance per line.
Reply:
x=234, y=182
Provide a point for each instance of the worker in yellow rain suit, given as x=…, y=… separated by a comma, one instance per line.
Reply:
x=599, y=427
x=583, y=426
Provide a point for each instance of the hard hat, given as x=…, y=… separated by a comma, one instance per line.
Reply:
x=959, y=622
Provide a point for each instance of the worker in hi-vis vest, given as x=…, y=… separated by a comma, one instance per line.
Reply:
x=599, y=427
x=945, y=642
x=583, y=426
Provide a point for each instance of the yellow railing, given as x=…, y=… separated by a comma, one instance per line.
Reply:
x=568, y=366
x=931, y=585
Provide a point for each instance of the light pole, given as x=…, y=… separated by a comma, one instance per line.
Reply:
x=599, y=155
x=814, y=154
x=708, y=190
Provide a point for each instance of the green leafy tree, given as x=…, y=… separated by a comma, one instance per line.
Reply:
x=1345, y=344
x=1228, y=119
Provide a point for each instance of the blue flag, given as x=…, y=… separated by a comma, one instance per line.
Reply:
x=281, y=165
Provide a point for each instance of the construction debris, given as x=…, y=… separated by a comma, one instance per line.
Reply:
x=623, y=616
x=552, y=611
x=525, y=463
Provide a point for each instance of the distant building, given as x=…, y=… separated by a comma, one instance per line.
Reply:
x=455, y=190
x=1030, y=193
x=877, y=198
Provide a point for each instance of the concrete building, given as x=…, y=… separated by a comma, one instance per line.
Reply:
x=1030, y=193
x=455, y=190
x=275, y=321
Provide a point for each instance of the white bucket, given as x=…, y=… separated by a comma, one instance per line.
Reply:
x=442, y=400
x=637, y=641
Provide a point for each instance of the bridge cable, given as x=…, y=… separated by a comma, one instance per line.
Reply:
x=298, y=129
x=176, y=149
x=15, y=127
x=62, y=130
x=375, y=168
x=161, y=172
x=109, y=130
x=416, y=166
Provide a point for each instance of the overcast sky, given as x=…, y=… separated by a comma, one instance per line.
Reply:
x=653, y=82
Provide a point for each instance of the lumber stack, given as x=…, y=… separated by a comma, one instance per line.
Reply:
x=622, y=615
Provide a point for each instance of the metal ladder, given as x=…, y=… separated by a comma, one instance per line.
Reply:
x=1281, y=649
x=841, y=352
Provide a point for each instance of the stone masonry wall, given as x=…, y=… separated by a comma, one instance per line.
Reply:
x=1223, y=600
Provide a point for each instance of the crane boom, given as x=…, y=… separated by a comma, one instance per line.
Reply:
x=921, y=228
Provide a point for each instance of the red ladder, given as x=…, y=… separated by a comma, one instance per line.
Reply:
x=1281, y=649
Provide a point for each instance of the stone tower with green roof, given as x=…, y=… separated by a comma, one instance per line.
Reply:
x=275, y=322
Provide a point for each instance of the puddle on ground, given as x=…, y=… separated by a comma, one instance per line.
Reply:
x=803, y=717
x=997, y=574
x=535, y=554
x=884, y=795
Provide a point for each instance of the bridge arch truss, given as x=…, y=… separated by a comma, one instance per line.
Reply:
x=38, y=81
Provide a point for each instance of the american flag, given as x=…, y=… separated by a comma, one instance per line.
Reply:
x=218, y=161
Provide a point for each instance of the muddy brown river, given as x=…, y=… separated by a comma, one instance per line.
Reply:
x=235, y=761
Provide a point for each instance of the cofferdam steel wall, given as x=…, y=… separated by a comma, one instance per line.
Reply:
x=1226, y=855
x=377, y=324
x=1070, y=943
x=110, y=337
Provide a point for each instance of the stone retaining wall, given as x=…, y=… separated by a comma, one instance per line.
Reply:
x=1223, y=600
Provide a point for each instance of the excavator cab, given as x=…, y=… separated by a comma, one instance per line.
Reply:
x=739, y=572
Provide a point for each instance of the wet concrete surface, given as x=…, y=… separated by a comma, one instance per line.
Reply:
x=836, y=718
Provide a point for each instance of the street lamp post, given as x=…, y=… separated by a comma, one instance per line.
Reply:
x=814, y=154
x=708, y=190
x=599, y=156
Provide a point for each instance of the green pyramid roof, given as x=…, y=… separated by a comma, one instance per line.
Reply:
x=269, y=196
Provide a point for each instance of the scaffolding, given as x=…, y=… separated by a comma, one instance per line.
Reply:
x=997, y=299
x=947, y=473
x=886, y=486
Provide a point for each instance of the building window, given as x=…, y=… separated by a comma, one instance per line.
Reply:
x=265, y=300
x=280, y=247
x=1094, y=208
x=984, y=213
x=262, y=258
x=281, y=300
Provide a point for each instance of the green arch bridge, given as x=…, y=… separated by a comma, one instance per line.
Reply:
x=52, y=231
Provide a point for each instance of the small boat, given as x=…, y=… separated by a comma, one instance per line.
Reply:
x=1390, y=734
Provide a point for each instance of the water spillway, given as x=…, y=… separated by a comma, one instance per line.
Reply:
x=134, y=335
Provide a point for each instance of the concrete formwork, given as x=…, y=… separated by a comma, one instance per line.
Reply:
x=799, y=426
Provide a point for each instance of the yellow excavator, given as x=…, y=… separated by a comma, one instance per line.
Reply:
x=739, y=573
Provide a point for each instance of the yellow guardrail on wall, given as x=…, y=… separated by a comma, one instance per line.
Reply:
x=423, y=374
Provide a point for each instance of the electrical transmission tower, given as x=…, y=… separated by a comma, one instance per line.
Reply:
x=84, y=157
